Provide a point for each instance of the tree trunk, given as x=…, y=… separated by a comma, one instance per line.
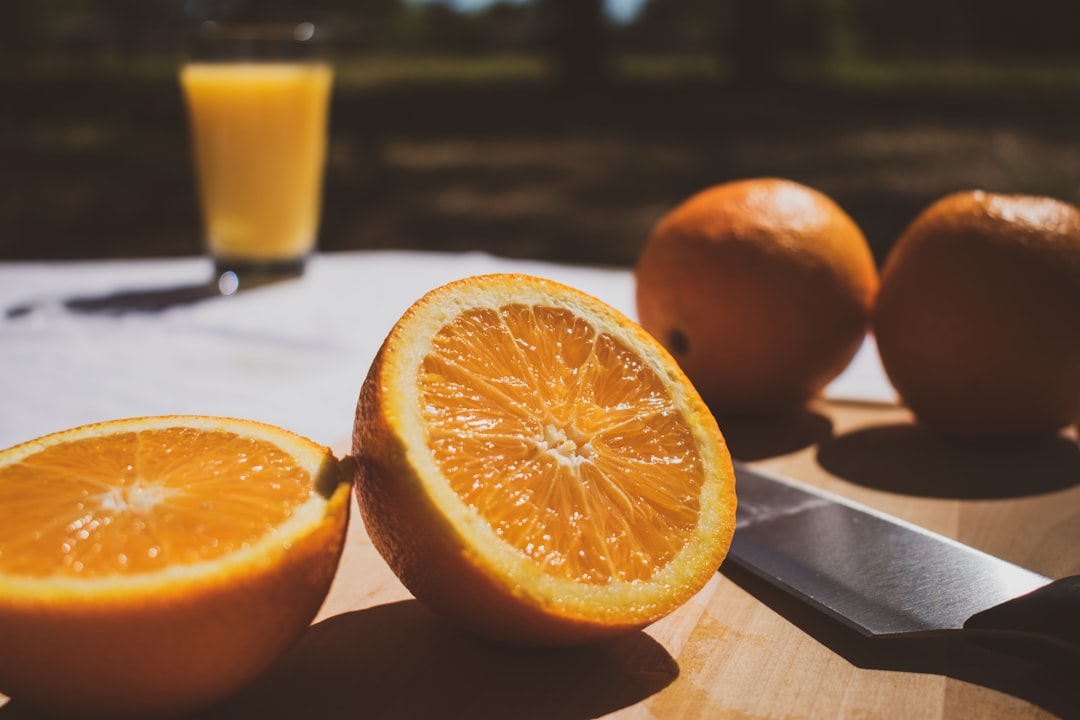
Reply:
x=576, y=40
x=752, y=52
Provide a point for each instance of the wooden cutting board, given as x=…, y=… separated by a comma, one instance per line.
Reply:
x=736, y=651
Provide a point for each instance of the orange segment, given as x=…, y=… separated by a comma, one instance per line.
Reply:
x=155, y=565
x=553, y=419
x=534, y=465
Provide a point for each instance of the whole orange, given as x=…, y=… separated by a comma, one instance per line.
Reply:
x=978, y=318
x=762, y=289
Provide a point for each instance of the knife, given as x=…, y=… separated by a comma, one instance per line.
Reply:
x=886, y=578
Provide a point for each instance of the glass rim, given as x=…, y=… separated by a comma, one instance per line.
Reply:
x=234, y=41
x=225, y=30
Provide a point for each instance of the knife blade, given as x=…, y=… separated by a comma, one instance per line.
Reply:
x=887, y=578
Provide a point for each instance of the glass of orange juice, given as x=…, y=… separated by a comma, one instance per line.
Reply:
x=258, y=98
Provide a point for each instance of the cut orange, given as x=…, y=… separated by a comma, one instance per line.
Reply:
x=153, y=566
x=535, y=466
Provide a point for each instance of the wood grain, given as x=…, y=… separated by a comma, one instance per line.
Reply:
x=736, y=651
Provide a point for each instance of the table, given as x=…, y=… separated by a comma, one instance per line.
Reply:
x=88, y=341
x=93, y=341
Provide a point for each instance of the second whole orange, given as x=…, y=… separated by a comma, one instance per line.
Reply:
x=978, y=318
x=762, y=289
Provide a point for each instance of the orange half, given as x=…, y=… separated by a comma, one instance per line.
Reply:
x=155, y=565
x=534, y=465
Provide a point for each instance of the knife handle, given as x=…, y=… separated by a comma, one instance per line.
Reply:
x=1051, y=612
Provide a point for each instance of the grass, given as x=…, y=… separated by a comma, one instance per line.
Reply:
x=393, y=68
x=97, y=151
x=957, y=74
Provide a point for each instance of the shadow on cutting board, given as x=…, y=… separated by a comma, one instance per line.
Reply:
x=398, y=660
x=906, y=459
x=1046, y=679
x=752, y=438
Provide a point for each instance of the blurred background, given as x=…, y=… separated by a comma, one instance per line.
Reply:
x=551, y=129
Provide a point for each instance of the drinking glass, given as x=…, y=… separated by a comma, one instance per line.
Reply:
x=258, y=98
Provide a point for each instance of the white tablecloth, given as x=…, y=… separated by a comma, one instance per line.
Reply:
x=293, y=354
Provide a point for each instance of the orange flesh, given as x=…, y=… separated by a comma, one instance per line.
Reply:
x=137, y=502
x=563, y=441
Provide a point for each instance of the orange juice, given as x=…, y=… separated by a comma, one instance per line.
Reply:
x=260, y=146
